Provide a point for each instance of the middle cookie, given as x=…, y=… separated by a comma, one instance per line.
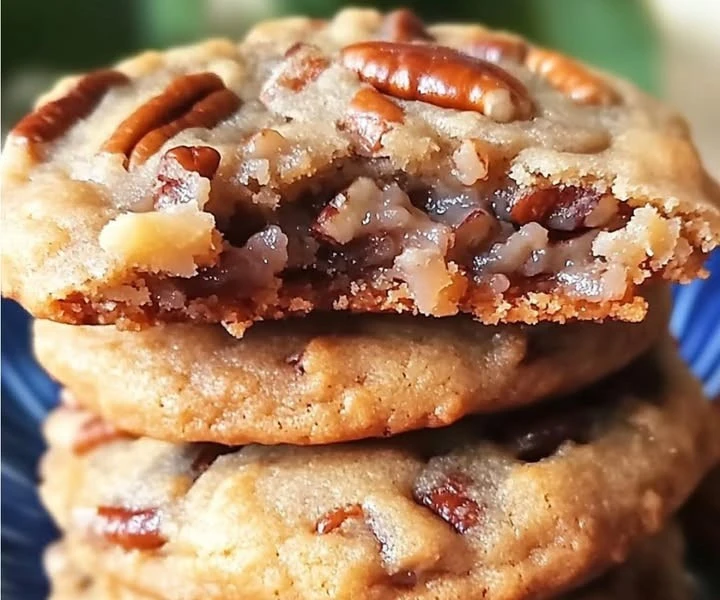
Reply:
x=329, y=378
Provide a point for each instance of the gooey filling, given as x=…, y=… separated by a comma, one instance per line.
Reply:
x=501, y=236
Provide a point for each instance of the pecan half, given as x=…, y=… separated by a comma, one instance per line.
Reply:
x=94, y=432
x=441, y=76
x=403, y=25
x=197, y=100
x=494, y=46
x=334, y=519
x=179, y=174
x=370, y=115
x=130, y=529
x=51, y=120
x=570, y=77
x=450, y=502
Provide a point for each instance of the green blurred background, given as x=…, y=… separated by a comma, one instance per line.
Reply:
x=44, y=38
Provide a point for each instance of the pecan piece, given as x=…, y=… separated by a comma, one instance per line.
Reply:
x=564, y=209
x=540, y=437
x=94, y=432
x=130, y=529
x=494, y=46
x=51, y=120
x=303, y=64
x=197, y=100
x=440, y=76
x=449, y=500
x=370, y=116
x=180, y=174
x=570, y=77
x=203, y=160
x=403, y=25
x=335, y=518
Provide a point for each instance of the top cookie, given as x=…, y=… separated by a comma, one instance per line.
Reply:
x=367, y=163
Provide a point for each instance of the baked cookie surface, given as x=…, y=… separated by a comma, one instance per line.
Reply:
x=329, y=377
x=654, y=571
x=368, y=163
x=522, y=505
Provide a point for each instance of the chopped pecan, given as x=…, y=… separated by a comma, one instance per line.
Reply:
x=179, y=172
x=303, y=64
x=197, y=100
x=335, y=518
x=94, y=432
x=540, y=437
x=403, y=25
x=563, y=209
x=203, y=160
x=570, y=77
x=51, y=120
x=441, y=76
x=370, y=116
x=131, y=529
x=450, y=502
x=471, y=232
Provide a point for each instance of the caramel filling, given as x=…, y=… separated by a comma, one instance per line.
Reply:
x=501, y=237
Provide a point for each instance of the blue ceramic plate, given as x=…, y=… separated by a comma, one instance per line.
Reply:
x=28, y=394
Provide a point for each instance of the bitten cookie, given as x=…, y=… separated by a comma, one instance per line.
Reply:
x=366, y=163
x=329, y=377
x=521, y=505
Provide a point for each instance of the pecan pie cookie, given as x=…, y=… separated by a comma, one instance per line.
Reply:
x=329, y=377
x=511, y=506
x=367, y=163
x=654, y=571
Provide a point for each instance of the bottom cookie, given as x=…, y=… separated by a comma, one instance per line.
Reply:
x=518, y=506
x=654, y=571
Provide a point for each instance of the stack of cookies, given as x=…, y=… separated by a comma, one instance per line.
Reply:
x=361, y=308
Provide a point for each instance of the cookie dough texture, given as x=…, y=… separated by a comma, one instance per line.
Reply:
x=87, y=238
x=516, y=506
x=329, y=378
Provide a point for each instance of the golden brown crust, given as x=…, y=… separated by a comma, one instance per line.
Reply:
x=329, y=378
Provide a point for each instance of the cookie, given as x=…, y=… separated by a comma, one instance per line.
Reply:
x=654, y=571
x=367, y=163
x=329, y=377
x=519, y=505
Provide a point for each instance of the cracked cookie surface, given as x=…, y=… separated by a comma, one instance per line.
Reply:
x=368, y=163
x=519, y=505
